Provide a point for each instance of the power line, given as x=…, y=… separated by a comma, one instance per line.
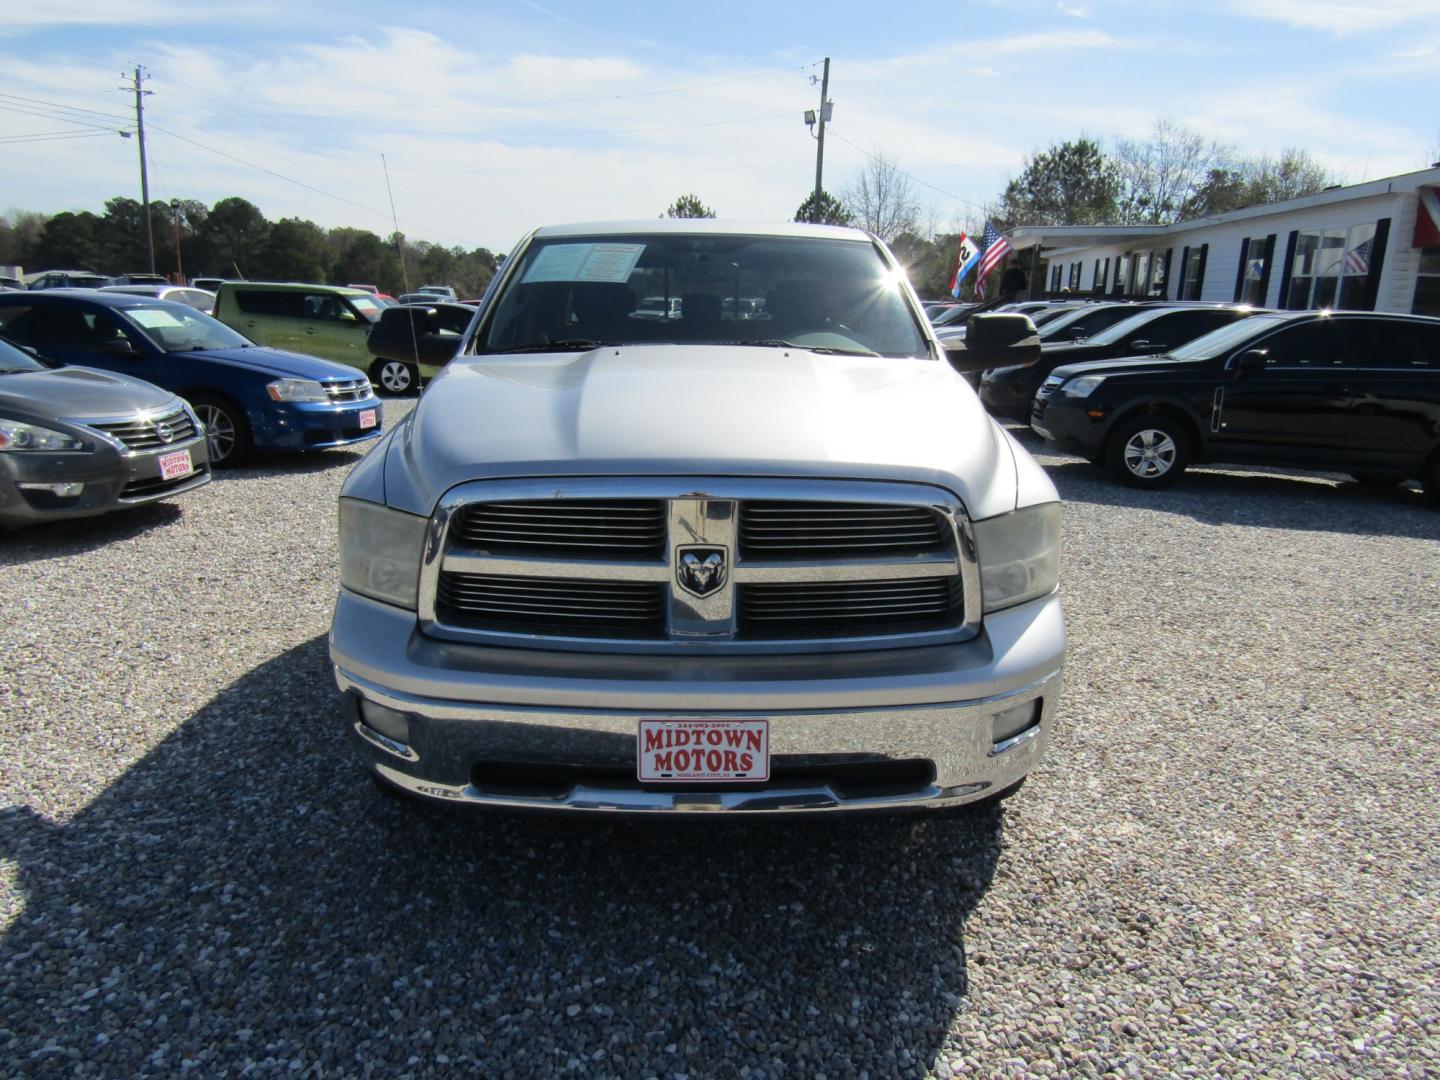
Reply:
x=602, y=172
x=908, y=176
x=58, y=117
x=66, y=108
x=53, y=137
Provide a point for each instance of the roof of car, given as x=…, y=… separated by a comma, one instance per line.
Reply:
x=308, y=286
x=91, y=296
x=701, y=225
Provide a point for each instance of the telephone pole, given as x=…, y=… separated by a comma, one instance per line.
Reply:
x=820, y=145
x=140, y=92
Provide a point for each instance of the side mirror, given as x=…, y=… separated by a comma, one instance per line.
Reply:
x=994, y=340
x=120, y=349
x=1139, y=343
x=1252, y=362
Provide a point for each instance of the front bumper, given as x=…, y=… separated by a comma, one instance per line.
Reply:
x=316, y=425
x=112, y=480
x=849, y=731
x=1007, y=397
x=1066, y=422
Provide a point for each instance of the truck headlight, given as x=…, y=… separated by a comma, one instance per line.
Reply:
x=1084, y=386
x=1019, y=555
x=17, y=436
x=297, y=390
x=380, y=552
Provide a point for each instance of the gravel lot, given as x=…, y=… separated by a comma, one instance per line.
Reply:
x=1229, y=865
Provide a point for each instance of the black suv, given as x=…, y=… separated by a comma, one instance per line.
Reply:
x=1153, y=328
x=412, y=342
x=1347, y=391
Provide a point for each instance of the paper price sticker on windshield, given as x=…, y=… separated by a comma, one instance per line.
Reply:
x=584, y=262
x=702, y=751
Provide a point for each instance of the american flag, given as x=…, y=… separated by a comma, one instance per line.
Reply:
x=994, y=248
x=1357, y=259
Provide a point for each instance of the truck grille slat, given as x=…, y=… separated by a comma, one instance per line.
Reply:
x=541, y=605
x=624, y=528
x=841, y=608
x=798, y=530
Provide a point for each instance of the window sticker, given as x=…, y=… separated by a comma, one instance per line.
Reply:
x=584, y=262
x=153, y=318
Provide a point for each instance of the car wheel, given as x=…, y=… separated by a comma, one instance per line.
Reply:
x=394, y=376
x=1378, y=479
x=1149, y=451
x=227, y=432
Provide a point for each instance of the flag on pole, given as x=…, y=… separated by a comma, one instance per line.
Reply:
x=965, y=260
x=993, y=248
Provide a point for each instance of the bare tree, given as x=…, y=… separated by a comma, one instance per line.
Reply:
x=882, y=199
x=1158, y=174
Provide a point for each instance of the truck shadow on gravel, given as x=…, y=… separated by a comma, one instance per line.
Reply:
x=243, y=894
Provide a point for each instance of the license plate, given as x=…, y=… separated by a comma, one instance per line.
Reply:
x=173, y=466
x=367, y=419
x=702, y=751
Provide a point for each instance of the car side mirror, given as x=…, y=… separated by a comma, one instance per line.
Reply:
x=994, y=340
x=1252, y=362
x=120, y=349
x=1139, y=343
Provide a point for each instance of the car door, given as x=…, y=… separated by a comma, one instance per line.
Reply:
x=1296, y=405
x=1397, y=391
x=94, y=337
x=333, y=330
x=271, y=317
x=1172, y=329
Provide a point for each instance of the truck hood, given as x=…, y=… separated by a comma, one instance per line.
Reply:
x=692, y=410
x=80, y=393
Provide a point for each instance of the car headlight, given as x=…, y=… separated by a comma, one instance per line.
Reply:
x=17, y=436
x=1084, y=386
x=380, y=552
x=297, y=390
x=1019, y=555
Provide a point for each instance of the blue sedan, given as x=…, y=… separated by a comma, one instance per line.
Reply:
x=248, y=397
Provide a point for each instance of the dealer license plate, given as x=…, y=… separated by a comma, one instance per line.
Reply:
x=703, y=751
x=367, y=419
x=173, y=466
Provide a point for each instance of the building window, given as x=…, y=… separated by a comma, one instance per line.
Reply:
x=1102, y=277
x=1315, y=273
x=1427, y=283
x=1355, y=269
x=1256, y=278
x=1141, y=284
x=1157, y=274
x=1055, y=277
x=1122, y=272
x=1075, y=269
x=1192, y=275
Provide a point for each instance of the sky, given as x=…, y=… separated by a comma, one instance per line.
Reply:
x=496, y=116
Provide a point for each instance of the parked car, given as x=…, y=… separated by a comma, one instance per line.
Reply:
x=68, y=279
x=955, y=314
x=373, y=290
x=417, y=298
x=246, y=396
x=659, y=307
x=199, y=299
x=209, y=284
x=1079, y=323
x=11, y=282
x=1009, y=391
x=445, y=292
x=318, y=320
x=412, y=342
x=600, y=548
x=141, y=279
x=1348, y=392
x=76, y=442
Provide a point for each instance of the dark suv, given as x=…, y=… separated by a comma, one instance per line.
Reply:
x=1351, y=392
x=412, y=342
x=1150, y=329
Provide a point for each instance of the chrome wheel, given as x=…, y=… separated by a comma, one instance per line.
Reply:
x=396, y=377
x=1150, y=453
x=220, y=433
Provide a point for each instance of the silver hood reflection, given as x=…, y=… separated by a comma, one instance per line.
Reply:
x=657, y=410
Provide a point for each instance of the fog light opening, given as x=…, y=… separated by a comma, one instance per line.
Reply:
x=60, y=491
x=1008, y=726
x=393, y=725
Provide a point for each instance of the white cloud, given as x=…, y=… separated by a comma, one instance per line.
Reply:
x=1340, y=16
x=21, y=16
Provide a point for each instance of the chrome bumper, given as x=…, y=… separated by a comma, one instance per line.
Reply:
x=463, y=705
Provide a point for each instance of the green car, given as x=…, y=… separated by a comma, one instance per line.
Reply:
x=320, y=320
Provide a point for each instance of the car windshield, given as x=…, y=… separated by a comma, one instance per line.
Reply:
x=176, y=328
x=1124, y=328
x=368, y=307
x=819, y=293
x=954, y=313
x=1219, y=341
x=14, y=359
x=1060, y=322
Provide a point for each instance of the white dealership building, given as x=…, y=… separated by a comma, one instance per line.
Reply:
x=1373, y=246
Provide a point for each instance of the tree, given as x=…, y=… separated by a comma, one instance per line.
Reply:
x=19, y=234
x=1070, y=184
x=70, y=240
x=827, y=210
x=1256, y=182
x=1158, y=175
x=234, y=232
x=689, y=206
x=294, y=250
x=882, y=199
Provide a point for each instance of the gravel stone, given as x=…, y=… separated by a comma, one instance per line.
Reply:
x=1228, y=866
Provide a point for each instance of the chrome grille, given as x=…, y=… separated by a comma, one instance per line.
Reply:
x=592, y=529
x=845, y=608
x=564, y=606
x=151, y=433
x=347, y=390
x=816, y=530
x=662, y=564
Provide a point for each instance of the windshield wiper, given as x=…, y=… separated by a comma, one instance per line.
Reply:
x=781, y=343
x=565, y=345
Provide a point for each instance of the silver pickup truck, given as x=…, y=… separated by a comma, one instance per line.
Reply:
x=754, y=558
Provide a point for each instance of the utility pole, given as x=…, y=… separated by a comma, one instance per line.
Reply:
x=820, y=145
x=140, y=93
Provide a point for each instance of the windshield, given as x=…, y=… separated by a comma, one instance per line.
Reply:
x=368, y=307
x=16, y=359
x=812, y=292
x=175, y=328
x=1226, y=338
